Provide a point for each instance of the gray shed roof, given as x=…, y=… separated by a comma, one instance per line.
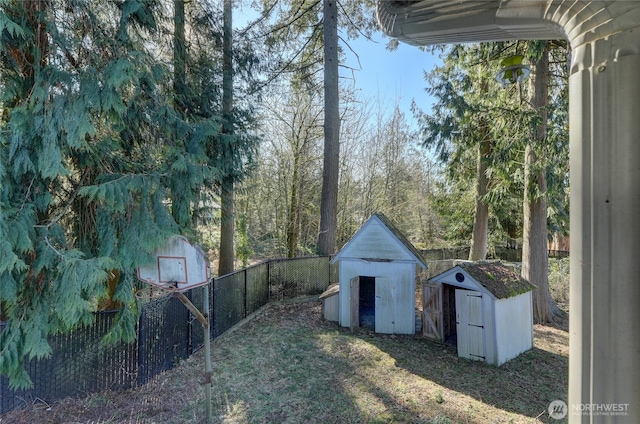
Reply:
x=366, y=242
x=399, y=235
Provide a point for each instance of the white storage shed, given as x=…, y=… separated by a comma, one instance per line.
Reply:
x=484, y=308
x=330, y=303
x=377, y=275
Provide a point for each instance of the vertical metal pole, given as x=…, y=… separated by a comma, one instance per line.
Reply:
x=268, y=280
x=203, y=317
x=244, y=296
x=207, y=353
x=142, y=336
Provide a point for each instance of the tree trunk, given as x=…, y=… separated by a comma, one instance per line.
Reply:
x=294, y=212
x=478, y=251
x=227, y=253
x=179, y=54
x=329, y=200
x=180, y=206
x=534, y=248
x=535, y=260
x=226, y=262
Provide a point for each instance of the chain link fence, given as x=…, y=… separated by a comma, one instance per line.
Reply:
x=167, y=332
x=506, y=254
x=79, y=364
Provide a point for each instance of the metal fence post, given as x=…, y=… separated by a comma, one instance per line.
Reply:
x=141, y=335
x=245, y=293
x=211, y=306
x=269, y=280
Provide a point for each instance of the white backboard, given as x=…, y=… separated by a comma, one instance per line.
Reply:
x=179, y=264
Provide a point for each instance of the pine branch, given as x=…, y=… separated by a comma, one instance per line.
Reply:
x=353, y=25
x=293, y=20
x=263, y=16
x=286, y=66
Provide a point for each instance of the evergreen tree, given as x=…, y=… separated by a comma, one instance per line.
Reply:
x=518, y=128
x=459, y=129
x=99, y=162
x=226, y=264
x=331, y=168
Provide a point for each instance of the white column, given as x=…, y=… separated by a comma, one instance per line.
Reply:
x=604, y=324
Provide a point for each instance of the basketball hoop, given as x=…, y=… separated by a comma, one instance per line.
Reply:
x=154, y=292
x=180, y=266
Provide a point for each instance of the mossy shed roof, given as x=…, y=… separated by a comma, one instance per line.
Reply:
x=503, y=281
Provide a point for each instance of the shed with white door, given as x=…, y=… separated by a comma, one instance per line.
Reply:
x=483, y=308
x=377, y=277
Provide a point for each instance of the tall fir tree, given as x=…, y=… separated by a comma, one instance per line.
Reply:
x=99, y=161
x=459, y=123
x=331, y=169
x=304, y=35
x=227, y=202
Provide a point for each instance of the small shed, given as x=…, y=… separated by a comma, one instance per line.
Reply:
x=377, y=279
x=330, y=303
x=483, y=308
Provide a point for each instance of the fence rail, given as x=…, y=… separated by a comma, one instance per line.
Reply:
x=167, y=333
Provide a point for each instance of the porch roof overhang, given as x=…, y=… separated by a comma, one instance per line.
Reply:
x=427, y=22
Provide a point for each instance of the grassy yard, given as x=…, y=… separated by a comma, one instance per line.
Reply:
x=287, y=365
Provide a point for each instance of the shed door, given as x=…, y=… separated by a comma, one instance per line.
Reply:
x=355, y=303
x=432, y=311
x=470, y=324
x=385, y=312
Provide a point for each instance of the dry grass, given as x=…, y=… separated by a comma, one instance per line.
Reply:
x=287, y=365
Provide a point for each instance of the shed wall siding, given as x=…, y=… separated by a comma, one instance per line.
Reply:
x=331, y=308
x=489, y=310
x=401, y=275
x=468, y=283
x=376, y=241
x=514, y=326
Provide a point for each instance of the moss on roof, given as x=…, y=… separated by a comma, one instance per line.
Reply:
x=500, y=279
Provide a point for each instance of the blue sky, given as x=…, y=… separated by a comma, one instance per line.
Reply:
x=380, y=74
x=393, y=76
